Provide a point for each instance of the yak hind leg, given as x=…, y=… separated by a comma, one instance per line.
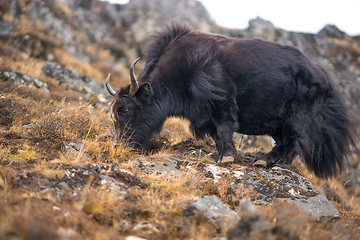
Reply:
x=225, y=144
x=269, y=159
x=290, y=154
x=280, y=157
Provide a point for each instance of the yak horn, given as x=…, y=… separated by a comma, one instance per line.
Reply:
x=108, y=87
x=134, y=83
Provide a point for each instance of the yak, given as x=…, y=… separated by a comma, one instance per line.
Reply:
x=224, y=85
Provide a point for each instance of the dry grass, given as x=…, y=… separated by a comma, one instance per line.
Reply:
x=44, y=196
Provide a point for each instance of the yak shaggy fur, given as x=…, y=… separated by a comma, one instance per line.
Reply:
x=225, y=85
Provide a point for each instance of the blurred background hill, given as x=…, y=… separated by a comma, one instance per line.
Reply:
x=96, y=37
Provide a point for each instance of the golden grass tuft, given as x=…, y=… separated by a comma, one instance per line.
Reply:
x=68, y=121
x=14, y=109
x=178, y=125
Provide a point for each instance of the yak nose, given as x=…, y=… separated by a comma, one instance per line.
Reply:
x=116, y=140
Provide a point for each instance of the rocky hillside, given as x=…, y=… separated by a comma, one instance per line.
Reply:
x=60, y=177
x=100, y=37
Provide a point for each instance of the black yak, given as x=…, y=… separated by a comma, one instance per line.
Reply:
x=225, y=85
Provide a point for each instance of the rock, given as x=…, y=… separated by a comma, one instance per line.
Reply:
x=331, y=31
x=81, y=84
x=63, y=185
x=214, y=210
x=113, y=185
x=158, y=167
x=269, y=185
x=74, y=149
x=277, y=184
x=146, y=228
x=250, y=220
x=30, y=126
x=260, y=28
x=19, y=78
x=6, y=28
x=59, y=26
x=134, y=238
x=98, y=168
x=67, y=233
x=168, y=167
x=319, y=207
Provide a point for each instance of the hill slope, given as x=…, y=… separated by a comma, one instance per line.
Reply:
x=60, y=177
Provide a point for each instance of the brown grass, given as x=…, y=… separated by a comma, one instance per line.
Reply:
x=38, y=203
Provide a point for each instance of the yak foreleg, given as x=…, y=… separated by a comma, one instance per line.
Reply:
x=225, y=144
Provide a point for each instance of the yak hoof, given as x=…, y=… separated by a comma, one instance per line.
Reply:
x=278, y=168
x=260, y=163
x=227, y=159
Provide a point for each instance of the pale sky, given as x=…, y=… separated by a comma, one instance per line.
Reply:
x=299, y=16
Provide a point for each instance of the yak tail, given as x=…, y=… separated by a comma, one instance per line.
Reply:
x=329, y=137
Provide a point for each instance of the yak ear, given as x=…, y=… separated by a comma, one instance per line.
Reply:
x=145, y=89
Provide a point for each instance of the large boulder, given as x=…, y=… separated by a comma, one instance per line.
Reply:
x=268, y=186
x=81, y=84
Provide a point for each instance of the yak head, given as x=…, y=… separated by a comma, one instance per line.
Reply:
x=127, y=111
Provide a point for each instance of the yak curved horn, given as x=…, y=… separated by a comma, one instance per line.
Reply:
x=134, y=83
x=108, y=87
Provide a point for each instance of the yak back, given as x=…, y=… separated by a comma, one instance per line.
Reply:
x=214, y=73
x=177, y=52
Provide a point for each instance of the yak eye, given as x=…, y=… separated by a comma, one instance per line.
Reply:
x=125, y=110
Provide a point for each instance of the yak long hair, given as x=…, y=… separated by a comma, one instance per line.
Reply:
x=324, y=129
x=327, y=140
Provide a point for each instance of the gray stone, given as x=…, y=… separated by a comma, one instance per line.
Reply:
x=64, y=185
x=158, y=167
x=74, y=149
x=250, y=220
x=79, y=83
x=30, y=126
x=113, y=185
x=278, y=184
x=134, y=238
x=214, y=210
x=166, y=167
x=19, y=78
x=146, y=227
x=73, y=146
x=260, y=28
x=318, y=206
x=6, y=28
x=332, y=31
